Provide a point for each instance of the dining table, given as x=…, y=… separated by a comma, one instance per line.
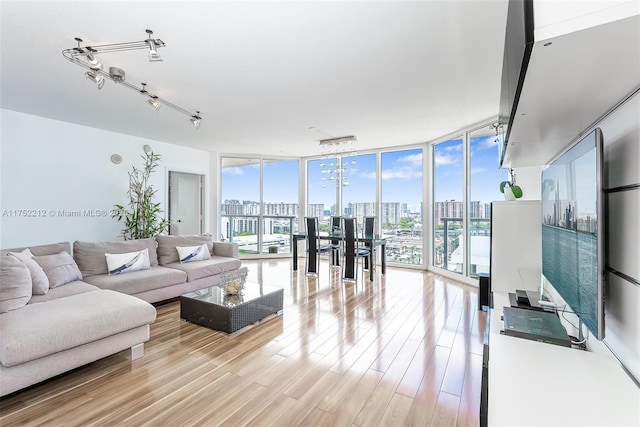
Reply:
x=350, y=261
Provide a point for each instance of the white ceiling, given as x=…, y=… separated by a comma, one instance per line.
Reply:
x=261, y=73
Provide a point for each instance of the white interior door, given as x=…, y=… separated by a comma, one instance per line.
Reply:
x=186, y=206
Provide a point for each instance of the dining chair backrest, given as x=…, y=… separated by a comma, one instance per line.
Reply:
x=369, y=225
x=312, y=233
x=349, y=227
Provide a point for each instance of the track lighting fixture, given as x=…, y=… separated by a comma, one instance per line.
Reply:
x=195, y=119
x=154, y=103
x=96, y=78
x=94, y=63
x=154, y=56
x=85, y=56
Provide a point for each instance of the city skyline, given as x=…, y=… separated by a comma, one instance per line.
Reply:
x=401, y=177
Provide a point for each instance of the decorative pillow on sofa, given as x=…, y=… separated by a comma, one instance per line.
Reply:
x=90, y=256
x=167, y=252
x=60, y=268
x=193, y=253
x=128, y=262
x=15, y=284
x=39, y=280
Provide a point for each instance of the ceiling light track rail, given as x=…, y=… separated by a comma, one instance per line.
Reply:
x=86, y=57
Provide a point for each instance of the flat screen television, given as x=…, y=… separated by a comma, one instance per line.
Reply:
x=573, y=232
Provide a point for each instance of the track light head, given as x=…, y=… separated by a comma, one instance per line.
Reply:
x=154, y=103
x=117, y=74
x=195, y=119
x=96, y=78
x=154, y=56
x=94, y=64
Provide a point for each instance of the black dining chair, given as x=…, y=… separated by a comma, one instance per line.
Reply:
x=351, y=251
x=368, y=231
x=314, y=248
x=336, y=244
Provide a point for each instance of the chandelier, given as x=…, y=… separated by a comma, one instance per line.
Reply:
x=87, y=57
x=339, y=171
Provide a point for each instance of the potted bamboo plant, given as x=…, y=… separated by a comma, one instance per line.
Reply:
x=142, y=217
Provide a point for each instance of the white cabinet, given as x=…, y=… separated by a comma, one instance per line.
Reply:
x=516, y=239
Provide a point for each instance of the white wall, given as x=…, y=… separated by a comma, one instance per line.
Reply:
x=51, y=167
x=529, y=179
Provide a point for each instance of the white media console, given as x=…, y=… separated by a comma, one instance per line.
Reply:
x=532, y=383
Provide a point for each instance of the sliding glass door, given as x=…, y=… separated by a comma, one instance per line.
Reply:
x=259, y=208
x=466, y=178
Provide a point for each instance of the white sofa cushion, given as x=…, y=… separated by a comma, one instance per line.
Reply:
x=72, y=288
x=38, y=330
x=15, y=284
x=210, y=267
x=138, y=281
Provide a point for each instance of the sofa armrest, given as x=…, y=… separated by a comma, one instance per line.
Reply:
x=227, y=249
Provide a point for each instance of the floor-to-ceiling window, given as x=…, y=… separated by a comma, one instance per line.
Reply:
x=466, y=178
x=448, y=193
x=259, y=203
x=358, y=183
x=484, y=182
x=280, y=204
x=401, y=205
x=322, y=190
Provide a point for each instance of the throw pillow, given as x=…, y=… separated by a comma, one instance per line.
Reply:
x=39, y=280
x=167, y=253
x=193, y=253
x=60, y=268
x=15, y=284
x=128, y=262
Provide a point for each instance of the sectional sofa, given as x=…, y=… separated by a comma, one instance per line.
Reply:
x=59, y=312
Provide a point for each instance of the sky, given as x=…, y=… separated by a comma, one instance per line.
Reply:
x=401, y=177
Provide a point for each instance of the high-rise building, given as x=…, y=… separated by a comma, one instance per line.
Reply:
x=447, y=209
x=392, y=212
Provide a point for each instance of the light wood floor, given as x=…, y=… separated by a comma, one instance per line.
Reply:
x=404, y=349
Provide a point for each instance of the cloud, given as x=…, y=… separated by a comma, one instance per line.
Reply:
x=487, y=142
x=406, y=167
x=406, y=172
x=456, y=148
x=475, y=171
x=234, y=170
x=444, y=159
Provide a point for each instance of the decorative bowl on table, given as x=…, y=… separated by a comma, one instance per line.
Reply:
x=233, y=281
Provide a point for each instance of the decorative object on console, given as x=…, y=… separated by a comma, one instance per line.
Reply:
x=509, y=188
x=233, y=281
x=144, y=219
x=86, y=58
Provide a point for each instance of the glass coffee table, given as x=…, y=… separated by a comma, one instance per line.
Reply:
x=213, y=308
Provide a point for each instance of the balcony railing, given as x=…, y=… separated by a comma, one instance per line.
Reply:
x=452, y=245
x=248, y=232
